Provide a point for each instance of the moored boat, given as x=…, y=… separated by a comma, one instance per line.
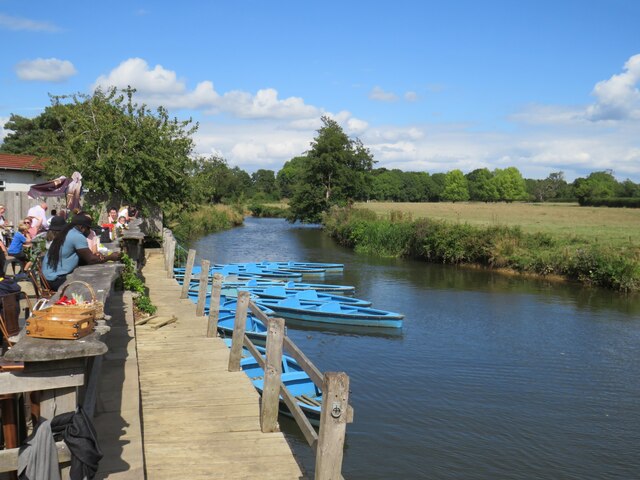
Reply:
x=332, y=312
x=280, y=293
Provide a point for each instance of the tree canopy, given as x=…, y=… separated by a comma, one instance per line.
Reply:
x=117, y=145
x=336, y=170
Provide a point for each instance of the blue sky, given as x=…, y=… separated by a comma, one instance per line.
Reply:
x=428, y=86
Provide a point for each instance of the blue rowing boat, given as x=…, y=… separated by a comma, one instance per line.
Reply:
x=254, y=328
x=332, y=312
x=327, y=267
x=280, y=293
x=297, y=381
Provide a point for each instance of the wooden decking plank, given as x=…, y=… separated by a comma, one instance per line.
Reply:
x=200, y=420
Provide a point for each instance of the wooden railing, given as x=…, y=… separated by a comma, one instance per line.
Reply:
x=328, y=442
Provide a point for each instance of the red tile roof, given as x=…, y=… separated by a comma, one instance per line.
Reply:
x=9, y=161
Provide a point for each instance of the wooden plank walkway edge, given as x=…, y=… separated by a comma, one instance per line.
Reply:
x=198, y=419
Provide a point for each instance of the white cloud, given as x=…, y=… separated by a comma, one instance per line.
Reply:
x=378, y=94
x=45, y=70
x=3, y=132
x=411, y=96
x=159, y=86
x=618, y=98
x=8, y=22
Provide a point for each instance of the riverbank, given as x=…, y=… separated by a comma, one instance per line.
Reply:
x=188, y=225
x=495, y=246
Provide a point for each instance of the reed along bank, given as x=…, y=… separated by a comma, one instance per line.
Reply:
x=494, y=246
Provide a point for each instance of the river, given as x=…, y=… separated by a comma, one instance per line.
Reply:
x=491, y=377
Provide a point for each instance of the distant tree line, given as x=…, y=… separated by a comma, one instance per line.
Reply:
x=146, y=156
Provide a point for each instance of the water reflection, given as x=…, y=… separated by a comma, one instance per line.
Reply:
x=492, y=376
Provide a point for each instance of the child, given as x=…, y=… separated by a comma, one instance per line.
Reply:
x=121, y=225
x=21, y=239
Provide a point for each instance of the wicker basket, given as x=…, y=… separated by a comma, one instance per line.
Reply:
x=68, y=322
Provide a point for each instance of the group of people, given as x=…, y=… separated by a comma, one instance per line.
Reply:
x=68, y=243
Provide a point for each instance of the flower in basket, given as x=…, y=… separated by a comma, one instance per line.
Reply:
x=64, y=300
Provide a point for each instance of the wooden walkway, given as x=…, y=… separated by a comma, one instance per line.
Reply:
x=199, y=420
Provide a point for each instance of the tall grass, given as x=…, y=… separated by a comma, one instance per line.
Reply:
x=494, y=246
x=189, y=225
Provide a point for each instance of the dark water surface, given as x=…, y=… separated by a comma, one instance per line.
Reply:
x=492, y=377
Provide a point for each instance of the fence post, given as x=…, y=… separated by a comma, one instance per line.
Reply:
x=239, y=326
x=202, y=288
x=214, y=305
x=172, y=257
x=272, y=373
x=186, y=284
x=333, y=425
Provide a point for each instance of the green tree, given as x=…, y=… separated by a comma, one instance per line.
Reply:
x=437, y=187
x=264, y=184
x=596, y=185
x=117, y=145
x=481, y=188
x=509, y=184
x=337, y=171
x=456, y=188
x=290, y=175
x=211, y=180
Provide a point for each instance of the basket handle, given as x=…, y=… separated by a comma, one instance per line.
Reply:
x=85, y=284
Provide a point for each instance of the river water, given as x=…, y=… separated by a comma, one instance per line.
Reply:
x=491, y=377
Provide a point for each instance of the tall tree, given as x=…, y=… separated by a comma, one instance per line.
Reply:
x=481, y=188
x=456, y=188
x=264, y=183
x=290, y=175
x=509, y=184
x=337, y=171
x=117, y=145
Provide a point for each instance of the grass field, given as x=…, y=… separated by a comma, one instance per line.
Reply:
x=610, y=226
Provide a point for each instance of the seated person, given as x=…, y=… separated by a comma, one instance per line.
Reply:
x=21, y=239
x=121, y=225
x=112, y=216
x=69, y=249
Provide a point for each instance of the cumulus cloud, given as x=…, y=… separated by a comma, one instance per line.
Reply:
x=378, y=94
x=618, y=98
x=8, y=22
x=45, y=70
x=159, y=85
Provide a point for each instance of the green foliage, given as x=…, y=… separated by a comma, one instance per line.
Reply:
x=456, y=188
x=132, y=282
x=188, y=225
x=493, y=246
x=260, y=210
x=509, y=184
x=336, y=172
x=596, y=186
x=612, y=202
x=265, y=185
x=481, y=186
x=118, y=146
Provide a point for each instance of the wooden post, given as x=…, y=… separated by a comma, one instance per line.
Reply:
x=214, y=305
x=186, y=284
x=202, y=288
x=239, y=327
x=172, y=257
x=272, y=373
x=165, y=249
x=333, y=425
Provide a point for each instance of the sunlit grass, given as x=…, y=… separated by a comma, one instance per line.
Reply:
x=607, y=226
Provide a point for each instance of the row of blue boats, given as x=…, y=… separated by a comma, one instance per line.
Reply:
x=276, y=288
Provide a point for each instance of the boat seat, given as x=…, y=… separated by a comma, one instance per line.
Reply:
x=307, y=295
x=290, y=302
x=276, y=291
x=330, y=307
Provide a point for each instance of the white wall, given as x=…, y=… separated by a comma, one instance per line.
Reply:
x=17, y=181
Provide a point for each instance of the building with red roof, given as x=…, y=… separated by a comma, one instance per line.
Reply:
x=19, y=172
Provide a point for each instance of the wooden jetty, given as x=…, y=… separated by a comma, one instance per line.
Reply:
x=199, y=419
